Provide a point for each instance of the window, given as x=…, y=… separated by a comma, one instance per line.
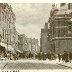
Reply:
x=2, y=16
x=62, y=4
x=58, y=32
x=69, y=27
x=3, y=33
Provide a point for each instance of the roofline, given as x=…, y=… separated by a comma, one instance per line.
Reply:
x=62, y=38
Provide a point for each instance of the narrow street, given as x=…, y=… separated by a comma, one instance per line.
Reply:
x=32, y=64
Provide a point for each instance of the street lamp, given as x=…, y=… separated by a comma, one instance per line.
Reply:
x=49, y=35
x=50, y=42
x=7, y=40
x=64, y=35
x=71, y=19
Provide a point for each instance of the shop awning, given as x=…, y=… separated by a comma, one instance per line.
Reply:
x=3, y=44
x=19, y=51
x=9, y=48
x=2, y=48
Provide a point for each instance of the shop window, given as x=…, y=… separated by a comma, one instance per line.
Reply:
x=62, y=4
x=58, y=32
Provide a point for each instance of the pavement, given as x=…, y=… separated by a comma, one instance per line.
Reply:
x=3, y=64
x=68, y=64
x=32, y=64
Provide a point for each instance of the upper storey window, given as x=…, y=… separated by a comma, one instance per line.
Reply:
x=2, y=16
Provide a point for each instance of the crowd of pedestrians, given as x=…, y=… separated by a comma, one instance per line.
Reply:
x=65, y=57
x=7, y=55
x=44, y=56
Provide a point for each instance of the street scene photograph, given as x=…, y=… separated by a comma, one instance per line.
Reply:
x=36, y=36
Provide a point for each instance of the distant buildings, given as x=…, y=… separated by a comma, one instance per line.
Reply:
x=22, y=42
x=34, y=46
x=44, y=40
x=28, y=44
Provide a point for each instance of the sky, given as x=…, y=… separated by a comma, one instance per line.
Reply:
x=31, y=17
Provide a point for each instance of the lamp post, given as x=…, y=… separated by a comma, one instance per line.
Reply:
x=50, y=43
x=71, y=19
x=7, y=40
x=66, y=41
x=31, y=45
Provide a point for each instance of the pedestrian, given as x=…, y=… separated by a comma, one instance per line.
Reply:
x=44, y=56
x=40, y=56
x=70, y=57
x=8, y=55
x=59, y=57
x=49, y=56
x=66, y=57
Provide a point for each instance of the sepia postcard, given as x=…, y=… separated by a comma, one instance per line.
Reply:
x=35, y=36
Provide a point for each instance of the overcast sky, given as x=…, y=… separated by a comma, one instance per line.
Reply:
x=30, y=18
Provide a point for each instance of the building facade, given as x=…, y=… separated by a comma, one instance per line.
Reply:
x=33, y=45
x=16, y=40
x=66, y=6
x=45, y=39
x=23, y=45
x=45, y=45
x=7, y=24
x=61, y=30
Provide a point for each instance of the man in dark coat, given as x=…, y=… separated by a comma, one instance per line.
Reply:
x=66, y=56
x=59, y=57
